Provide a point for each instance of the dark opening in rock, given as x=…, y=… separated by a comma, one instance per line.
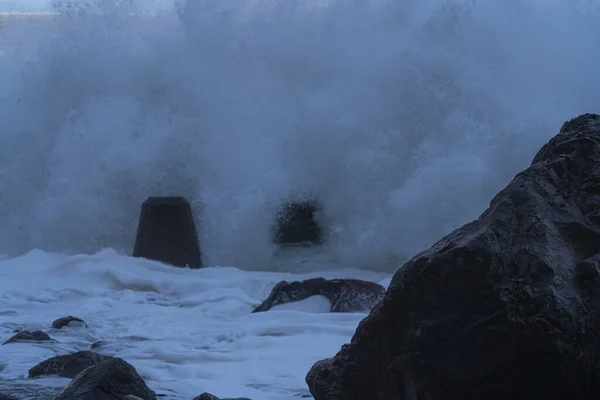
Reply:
x=167, y=232
x=295, y=224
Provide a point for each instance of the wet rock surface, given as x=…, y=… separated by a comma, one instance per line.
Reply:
x=67, y=365
x=109, y=380
x=68, y=321
x=345, y=295
x=505, y=307
x=29, y=336
x=208, y=396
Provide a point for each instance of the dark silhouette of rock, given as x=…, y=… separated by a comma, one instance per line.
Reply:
x=68, y=365
x=167, y=232
x=6, y=396
x=505, y=307
x=30, y=336
x=109, y=380
x=65, y=321
x=99, y=344
x=345, y=295
x=295, y=224
x=208, y=396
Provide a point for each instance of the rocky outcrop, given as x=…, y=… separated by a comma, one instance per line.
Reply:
x=68, y=321
x=109, y=380
x=505, y=307
x=30, y=336
x=345, y=295
x=208, y=396
x=68, y=365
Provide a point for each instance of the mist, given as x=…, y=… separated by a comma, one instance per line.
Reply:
x=403, y=117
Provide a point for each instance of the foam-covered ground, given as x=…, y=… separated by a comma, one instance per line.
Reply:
x=186, y=331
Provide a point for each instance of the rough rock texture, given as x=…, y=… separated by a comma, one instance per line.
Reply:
x=505, y=307
x=345, y=295
x=6, y=396
x=64, y=321
x=110, y=380
x=208, y=396
x=30, y=336
x=68, y=365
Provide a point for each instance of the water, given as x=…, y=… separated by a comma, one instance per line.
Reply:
x=185, y=331
x=403, y=117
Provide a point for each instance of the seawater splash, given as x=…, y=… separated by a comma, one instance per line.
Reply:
x=403, y=117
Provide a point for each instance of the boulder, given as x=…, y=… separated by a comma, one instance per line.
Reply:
x=68, y=365
x=167, y=232
x=345, y=295
x=505, y=307
x=113, y=379
x=30, y=336
x=66, y=321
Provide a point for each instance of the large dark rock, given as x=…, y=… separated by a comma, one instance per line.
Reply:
x=66, y=321
x=6, y=396
x=68, y=365
x=29, y=336
x=167, y=232
x=109, y=380
x=345, y=295
x=506, y=307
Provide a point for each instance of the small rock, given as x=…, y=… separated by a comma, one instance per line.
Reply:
x=99, y=343
x=113, y=379
x=345, y=295
x=65, y=321
x=208, y=396
x=68, y=365
x=30, y=336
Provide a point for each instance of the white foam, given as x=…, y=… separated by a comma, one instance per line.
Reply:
x=404, y=117
x=186, y=331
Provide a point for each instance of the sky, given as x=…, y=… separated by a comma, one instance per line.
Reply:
x=23, y=5
x=44, y=5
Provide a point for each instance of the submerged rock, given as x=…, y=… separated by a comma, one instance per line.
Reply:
x=109, y=380
x=68, y=365
x=345, y=295
x=30, y=336
x=208, y=396
x=66, y=321
x=505, y=307
x=6, y=396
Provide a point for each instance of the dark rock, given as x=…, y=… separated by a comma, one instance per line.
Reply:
x=345, y=295
x=505, y=307
x=68, y=365
x=64, y=321
x=167, y=232
x=6, y=396
x=295, y=224
x=99, y=344
x=109, y=380
x=30, y=336
x=208, y=396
